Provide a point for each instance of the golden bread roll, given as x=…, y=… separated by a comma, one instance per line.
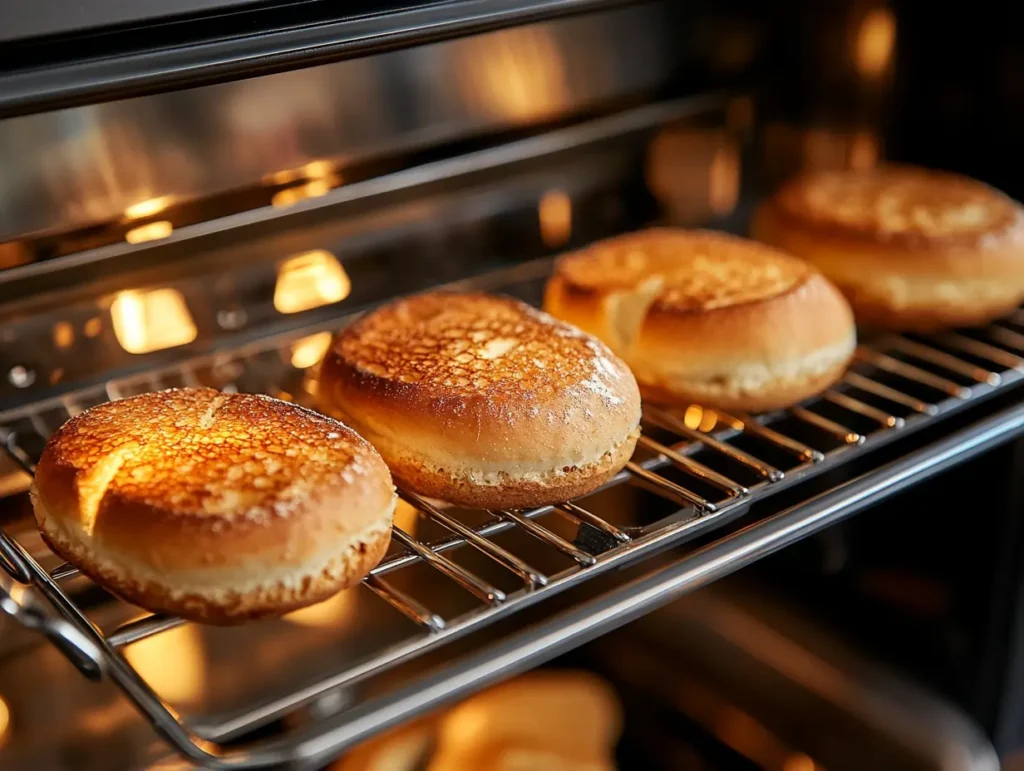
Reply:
x=511, y=757
x=401, y=749
x=216, y=507
x=707, y=317
x=912, y=249
x=483, y=401
x=569, y=714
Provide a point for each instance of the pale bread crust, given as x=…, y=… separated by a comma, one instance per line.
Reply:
x=554, y=719
x=768, y=332
x=512, y=492
x=482, y=400
x=400, y=749
x=912, y=249
x=218, y=508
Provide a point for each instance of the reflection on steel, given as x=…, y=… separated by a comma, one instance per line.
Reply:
x=103, y=162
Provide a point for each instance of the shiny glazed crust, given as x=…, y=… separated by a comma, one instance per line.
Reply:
x=483, y=401
x=216, y=507
x=912, y=249
x=708, y=318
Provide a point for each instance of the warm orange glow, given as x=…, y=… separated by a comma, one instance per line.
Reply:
x=318, y=169
x=5, y=721
x=312, y=189
x=798, y=762
x=693, y=415
x=709, y=421
x=147, y=208
x=876, y=38
x=406, y=517
x=698, y=418
x=152, y=231
x=309, y=280
x=312, y=170
x=328, y=613
x=151, y=320
x=863, y=151
x=93, y=326
x=63, y=335
x=172, y=662
x=555, y=212
x=519, y=73
x=724, y=180
x=309, y=350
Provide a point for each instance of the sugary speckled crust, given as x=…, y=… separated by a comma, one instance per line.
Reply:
x=217, y=507
x=907, y=206
x=717, y=320
x=912, y=249
x=699, y=270
x=482, y=389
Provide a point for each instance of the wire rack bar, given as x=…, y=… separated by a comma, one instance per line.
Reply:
x=889, y=393
x=944, y=360
x=770, y=435
x=670, y=489
x=406, y=605
x=454, y=571
x=491, y=549
x=911, y=372
x=545, y=535
x=663, y=418
x=696, y=468
x=1007, y=337
x=982, y=350
x=839, y=431
x=579, y=514
x=856, y=405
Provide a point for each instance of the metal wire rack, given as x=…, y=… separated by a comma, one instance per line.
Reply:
x=710, y=465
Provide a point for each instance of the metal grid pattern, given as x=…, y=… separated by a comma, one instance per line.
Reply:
x=711, y=465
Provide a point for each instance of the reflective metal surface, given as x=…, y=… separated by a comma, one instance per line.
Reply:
x=93, y=164
x=18, y=20
x=777, y=671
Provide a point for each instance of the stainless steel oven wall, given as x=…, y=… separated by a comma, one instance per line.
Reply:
x=87, y=165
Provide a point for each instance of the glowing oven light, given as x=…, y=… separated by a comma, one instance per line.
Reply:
x=63, y=335
x=555, y=213
x=151, y=320
x=698, y=418
x=309, y=350
x=309, y=280
x=313, y=189
x=172, y=662
x=5, y=721
x=724, y=180
x=152, y=231
x=147, y=208
x=876, y=38
x=328, y=613
x=312, y=170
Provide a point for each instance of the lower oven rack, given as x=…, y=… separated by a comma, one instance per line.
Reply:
x=897, y=385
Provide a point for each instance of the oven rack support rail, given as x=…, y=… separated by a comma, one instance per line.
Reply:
x=896, y=385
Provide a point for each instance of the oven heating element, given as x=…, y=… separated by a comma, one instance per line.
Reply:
x=897, y=384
